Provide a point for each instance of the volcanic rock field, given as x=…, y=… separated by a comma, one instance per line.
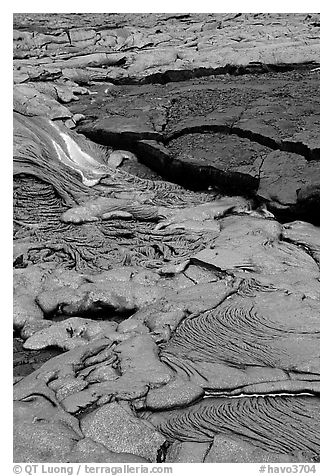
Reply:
x=166, y=238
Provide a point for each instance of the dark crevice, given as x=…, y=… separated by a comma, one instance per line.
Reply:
x=180, y=75
x=162, y=452
x=190, y=175
x=310, y=214
x=199, y=129
x=205, y=177
x=102, y=313
x=286, y=146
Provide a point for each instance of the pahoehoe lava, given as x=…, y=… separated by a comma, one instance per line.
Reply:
x=295, y=423
x=166, y=249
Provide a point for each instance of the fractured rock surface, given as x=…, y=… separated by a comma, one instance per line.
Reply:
x=138, y=46
x=166, y=248
x=237, y=135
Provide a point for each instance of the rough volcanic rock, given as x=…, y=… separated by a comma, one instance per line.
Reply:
x=173, y=308
x=43, y=432
x=248, y=243
x=25, y=362
x=187, y=452
x=223, y=299
x=277, y=119
x=117, y=292
x=91, y=373
x=277, y=298
x=231, y=449
x=181, y=46
x=223, y=160
x=116, y=428
x=283, y=179
x=27, y=283
x=25, y=310
x=50, y=164
x=218, y=133
x=174, y=393
x=69, y=334
x=65, y=365
x=89, y=451
x=118, y=129
x=108, y=209
x=30, y=102
x=139, y=361
x=202, y=217
x=305, y=235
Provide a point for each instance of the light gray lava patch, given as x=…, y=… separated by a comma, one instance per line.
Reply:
x=120, y=431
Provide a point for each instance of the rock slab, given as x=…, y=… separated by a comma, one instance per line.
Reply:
x=120, y=431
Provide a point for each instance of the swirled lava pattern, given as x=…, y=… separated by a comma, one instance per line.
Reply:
x=284, y=424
